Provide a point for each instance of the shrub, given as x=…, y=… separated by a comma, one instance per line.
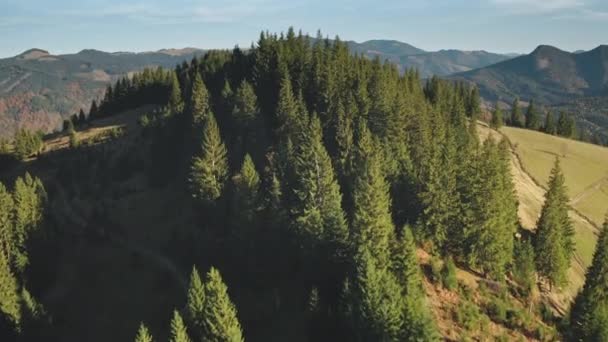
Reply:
x=448, y=275
x=436, y=269
x=467, y=315
x=497, y=310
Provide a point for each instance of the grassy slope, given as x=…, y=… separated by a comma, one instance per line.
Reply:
x=585, y=167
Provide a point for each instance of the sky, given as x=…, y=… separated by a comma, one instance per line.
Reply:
x=67, y=26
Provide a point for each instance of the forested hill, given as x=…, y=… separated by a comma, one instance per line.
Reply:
x=548, y=75
x=38, y=89
x=294, y=192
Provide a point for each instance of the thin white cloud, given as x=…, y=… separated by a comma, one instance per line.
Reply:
x=583, y=14
x=195, y=12
x=539, y=6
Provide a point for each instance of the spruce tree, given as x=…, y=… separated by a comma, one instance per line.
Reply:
x=245, y=109
x=209, y=170
x=176, y=102
x=143, y=335
x=532, y=117
x=199, y=105
x=220, y=323
x=9, y=296
x=6, y=223
x=178, y=329
x=524, y=269
x=246, y=201
x=286, y=120
x=517, y=118
x=93, y=111
x=317, y=209
x=418, y=322
x=196, y=300
x=588, y=317
x=550, y=125
x=379, y=305
x=554, y=244
x=372, y=223
x=497, y=118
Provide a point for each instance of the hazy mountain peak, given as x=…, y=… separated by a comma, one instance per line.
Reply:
x=33, y=54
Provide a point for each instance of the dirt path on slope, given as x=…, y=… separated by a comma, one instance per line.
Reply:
x=588, y=191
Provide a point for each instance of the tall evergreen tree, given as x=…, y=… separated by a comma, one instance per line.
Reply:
x=554, y=244
x=94, y=110
x=209, y=170
x=9, y=296
x=196, y=300
x=517, y=118
x=178, y=329
x=497, y=118
x=246, y=201
x=372, y=223
x=550, y=125
x=418, y=323
x=245, y=109
x=317, y=208
x=176, y=102
x=6, y=223
x=199, y=105
x=378, y=308
x=588, y=319
x=532, y=117
x=220, y=323
x=524, y=269
x=143, y=335
x=491, y=238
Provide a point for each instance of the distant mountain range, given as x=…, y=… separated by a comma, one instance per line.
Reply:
x=440, y=63
x=548, y=75
x=38, y=89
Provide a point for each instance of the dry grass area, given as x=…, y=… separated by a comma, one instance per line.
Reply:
x=585, y=167
x=531, y=164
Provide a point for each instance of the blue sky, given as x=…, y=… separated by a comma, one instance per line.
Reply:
x=64, y=26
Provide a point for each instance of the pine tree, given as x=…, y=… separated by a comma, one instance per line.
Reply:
x=176, y=102
x=245, y=109
x=220, y=323
x=29, y=198
x=532, y=118
x=6, y=223
x=178, y=329
x=473, y=104
x=9, y=297
x=550, y=125
x=588, y=319
x=286, y=120
x=196, y=300
x=517, y=118
x=209, y=170
x=372, y=223
x=317, y=209
x=379, y=305
x=566, y=126
x=418, y=323
x=554, y=244
x=491, y=212
x=143, y=335
x=81, y=117
x=199, y=106
x=93, y=111
x=497, y=118
x=524, y=269
x=246, y=201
